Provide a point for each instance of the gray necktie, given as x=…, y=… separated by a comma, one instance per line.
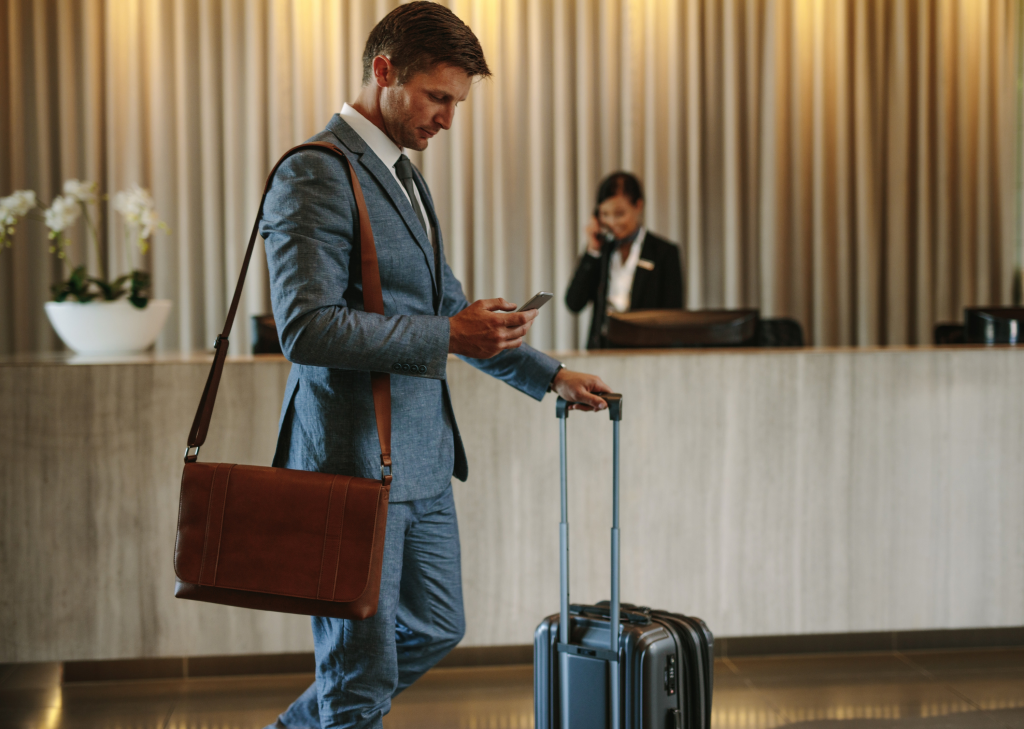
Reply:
x=404, y=169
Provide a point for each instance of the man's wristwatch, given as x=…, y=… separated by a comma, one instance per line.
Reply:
x=551, y=385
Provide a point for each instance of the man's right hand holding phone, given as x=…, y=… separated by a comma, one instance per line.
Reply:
x=489, y=326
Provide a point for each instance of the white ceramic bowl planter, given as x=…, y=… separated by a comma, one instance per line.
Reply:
x=108, y=327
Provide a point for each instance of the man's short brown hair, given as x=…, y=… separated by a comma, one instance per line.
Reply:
x=421, y=35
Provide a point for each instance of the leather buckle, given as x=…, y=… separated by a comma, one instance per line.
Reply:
x=191, y=458
x=385, y=469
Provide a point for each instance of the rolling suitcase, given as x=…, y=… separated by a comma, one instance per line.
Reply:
x=653, y=671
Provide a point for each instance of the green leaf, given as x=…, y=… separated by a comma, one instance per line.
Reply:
x=107, y=291
x=113, y=290
x=139, y=293
x=77, y=285
x=60, y=291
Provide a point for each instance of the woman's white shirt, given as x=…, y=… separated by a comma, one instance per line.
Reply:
x=621, y=273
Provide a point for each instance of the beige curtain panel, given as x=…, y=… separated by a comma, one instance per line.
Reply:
x=849, y=163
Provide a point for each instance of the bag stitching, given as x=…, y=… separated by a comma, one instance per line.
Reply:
x=337, y=558
x=327, y=530
x=223, y=509
x=177, y=536
x=373, y=542
x=206, y=535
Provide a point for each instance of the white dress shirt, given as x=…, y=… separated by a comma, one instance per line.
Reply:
x=621, y=273
x=387, y=152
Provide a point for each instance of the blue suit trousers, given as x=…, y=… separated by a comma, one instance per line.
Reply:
x=362, y=664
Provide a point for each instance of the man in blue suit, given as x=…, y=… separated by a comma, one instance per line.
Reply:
x=419, y=63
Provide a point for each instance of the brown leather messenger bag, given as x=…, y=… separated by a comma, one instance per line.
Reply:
x=280, y=539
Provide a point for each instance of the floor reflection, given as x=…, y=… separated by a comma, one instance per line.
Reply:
x=980, y=688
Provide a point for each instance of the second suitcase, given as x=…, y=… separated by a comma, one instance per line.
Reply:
x=656, y=674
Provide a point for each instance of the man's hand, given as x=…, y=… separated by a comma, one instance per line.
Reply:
x=483, y=329
x=578, y=388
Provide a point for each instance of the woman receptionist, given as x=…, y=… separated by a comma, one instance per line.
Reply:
x=625, y=267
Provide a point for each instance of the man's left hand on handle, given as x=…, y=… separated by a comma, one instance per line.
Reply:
x=580, y=389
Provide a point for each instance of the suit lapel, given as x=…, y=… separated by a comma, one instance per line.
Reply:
x=371, y=162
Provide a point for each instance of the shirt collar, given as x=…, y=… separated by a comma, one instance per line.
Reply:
x=629, y=238
x=387, y=151
x=631, y=260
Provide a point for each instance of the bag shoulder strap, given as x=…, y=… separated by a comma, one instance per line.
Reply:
x=373, y=301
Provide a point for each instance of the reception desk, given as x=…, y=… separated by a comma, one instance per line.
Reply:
x=768, y=491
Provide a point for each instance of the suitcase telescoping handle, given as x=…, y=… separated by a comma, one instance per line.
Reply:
x=612, y=654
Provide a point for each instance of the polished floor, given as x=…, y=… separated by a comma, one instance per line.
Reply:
x=925, y=690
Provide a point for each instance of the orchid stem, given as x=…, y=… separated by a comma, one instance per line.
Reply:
x=58, y=243
x=127, y=248
x=94, y=235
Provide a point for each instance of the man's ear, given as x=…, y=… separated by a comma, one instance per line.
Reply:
x=384, y=73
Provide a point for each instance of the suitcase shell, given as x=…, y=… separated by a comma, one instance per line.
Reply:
x=668, y=676
x=665, y=660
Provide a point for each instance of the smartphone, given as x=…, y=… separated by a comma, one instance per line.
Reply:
x=536, y=301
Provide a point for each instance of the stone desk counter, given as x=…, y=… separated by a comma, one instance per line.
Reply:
x=771, y=492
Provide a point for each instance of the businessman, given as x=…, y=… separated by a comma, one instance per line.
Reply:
x=419, y=63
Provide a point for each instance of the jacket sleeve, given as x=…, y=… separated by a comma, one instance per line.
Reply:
x=524, y=368
x=672, y=285
x=309, y=228
x=583, y=288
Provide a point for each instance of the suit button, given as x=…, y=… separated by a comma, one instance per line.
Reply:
x=396, y=367
x=405, y=368
x=423, y=369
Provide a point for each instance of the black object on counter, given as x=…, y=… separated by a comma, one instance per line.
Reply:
x=708, y=328
x=950, y=334
x=264, y=335
x=994, y=324
x=679, y=328
x=781, y=332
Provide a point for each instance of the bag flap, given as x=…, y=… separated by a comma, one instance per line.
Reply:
x=277, y=531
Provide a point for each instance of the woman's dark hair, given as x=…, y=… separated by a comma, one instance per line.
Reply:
x=419, y=36
x=620, y=183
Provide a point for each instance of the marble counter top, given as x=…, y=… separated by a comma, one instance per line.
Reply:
x=768, y=491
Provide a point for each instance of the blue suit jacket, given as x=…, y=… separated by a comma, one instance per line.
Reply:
x=327, y=419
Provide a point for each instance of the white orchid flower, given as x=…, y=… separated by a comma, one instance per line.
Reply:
x=81, y=190
x=14, y=206
x=62, y=213
x=150, y=222
x=134, y=204
x=7, y=216
x=139, y=210
x=18, y=203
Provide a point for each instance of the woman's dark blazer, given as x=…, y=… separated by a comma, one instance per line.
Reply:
x=659, y=288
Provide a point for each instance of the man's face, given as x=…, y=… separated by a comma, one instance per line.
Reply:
x=425, y=104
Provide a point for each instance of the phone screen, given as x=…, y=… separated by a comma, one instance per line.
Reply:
x=536, y=301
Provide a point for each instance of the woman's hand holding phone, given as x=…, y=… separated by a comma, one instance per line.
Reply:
x=592, y=229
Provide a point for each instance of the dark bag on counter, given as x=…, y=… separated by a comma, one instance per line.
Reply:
x=280, y=539
x=680, y=328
